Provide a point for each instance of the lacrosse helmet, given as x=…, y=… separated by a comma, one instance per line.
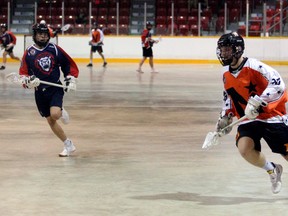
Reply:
x=40, y=28
x=4, y=26
x=233, y=40
x=149, y=25
x=43, y=22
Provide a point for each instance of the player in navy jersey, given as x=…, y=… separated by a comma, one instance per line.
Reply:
x=7, y=42
x=42, y=61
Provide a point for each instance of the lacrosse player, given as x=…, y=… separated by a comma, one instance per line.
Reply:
x=256, y=90
x=147, y=44
x=96, y=44
x=7, y=41
x=42, y=61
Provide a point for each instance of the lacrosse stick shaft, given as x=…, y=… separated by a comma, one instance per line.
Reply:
x=55, y=84
x=14, y=78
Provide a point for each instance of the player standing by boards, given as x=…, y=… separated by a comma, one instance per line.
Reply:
x=96, y=44
x=42, y=61
x=147, y=44
x=257, y=91
x=7, y=41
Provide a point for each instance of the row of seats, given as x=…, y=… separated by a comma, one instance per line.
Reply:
x=101, y=20
x=85, y=3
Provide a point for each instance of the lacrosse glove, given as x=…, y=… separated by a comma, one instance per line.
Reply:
x=253, y=106
x=70, y=83
x=223, y=122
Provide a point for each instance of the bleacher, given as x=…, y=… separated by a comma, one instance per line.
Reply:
x=188, y=19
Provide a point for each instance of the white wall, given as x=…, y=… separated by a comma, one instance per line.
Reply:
x=192, y=48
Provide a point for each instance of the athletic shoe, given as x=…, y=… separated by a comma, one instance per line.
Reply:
x=2, y=67
x=154, y=71
x=68, y=149
x=65, y=116
x=275, y=178
x=104, y=64
x=139, y=71
x=90, y=65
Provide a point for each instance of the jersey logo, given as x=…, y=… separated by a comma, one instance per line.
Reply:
x=45, y=63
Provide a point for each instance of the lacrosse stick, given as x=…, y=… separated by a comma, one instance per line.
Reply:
x=65, y=27
x=213, y=138
x=14, y=78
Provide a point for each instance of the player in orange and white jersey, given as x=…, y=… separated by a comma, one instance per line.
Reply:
x=147, y=44
x=96, y=43
x=256, y=90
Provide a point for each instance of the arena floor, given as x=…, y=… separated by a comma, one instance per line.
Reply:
x=138, y=139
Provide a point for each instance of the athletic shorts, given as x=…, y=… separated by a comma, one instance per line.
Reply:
x=275, y=135
x=48, y=97
x=9, y=50
x=97, y=48
x=147, y=52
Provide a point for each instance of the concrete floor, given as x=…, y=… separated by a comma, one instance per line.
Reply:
x=138, y=140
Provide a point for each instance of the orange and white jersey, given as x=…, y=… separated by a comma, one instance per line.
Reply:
x=97, y=36
x=254, y=78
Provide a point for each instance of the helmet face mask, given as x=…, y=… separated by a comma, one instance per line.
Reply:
x=230, y=47
x=41, y=35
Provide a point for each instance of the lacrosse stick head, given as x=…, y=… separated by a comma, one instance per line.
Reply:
x=12, y=77
x=211, y=139
x=65, y=27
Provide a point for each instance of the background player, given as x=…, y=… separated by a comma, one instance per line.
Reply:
x=96, y=44
x=42, y=61
x=147, y=43
x=256, y=90
x=7, y=41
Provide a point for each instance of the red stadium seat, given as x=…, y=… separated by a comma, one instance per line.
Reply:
x=220, y=23
x=161, y=29
x=124, y=20
x=254, y=30
x=112, y=28
x=194, y=30
x=112, y=20
x=183, y=12
x=102, y=11
x=161, y=20
x=205, y=23
x=234, y=15
x=124, y=12
x=181, y=20
x=161, y=12
x=183, y=30
x=123, y=29
x=193, y=20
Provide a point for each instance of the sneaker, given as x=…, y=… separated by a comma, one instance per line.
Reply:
x=2, y=67
x=65, y=116
x=104, y=64
x=90, y=65
x=154, y=71
x=139, y=71
x=275, y=177
x=68, y=149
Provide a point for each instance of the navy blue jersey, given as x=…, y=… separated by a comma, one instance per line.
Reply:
x=7, y=38
x=46, y=63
